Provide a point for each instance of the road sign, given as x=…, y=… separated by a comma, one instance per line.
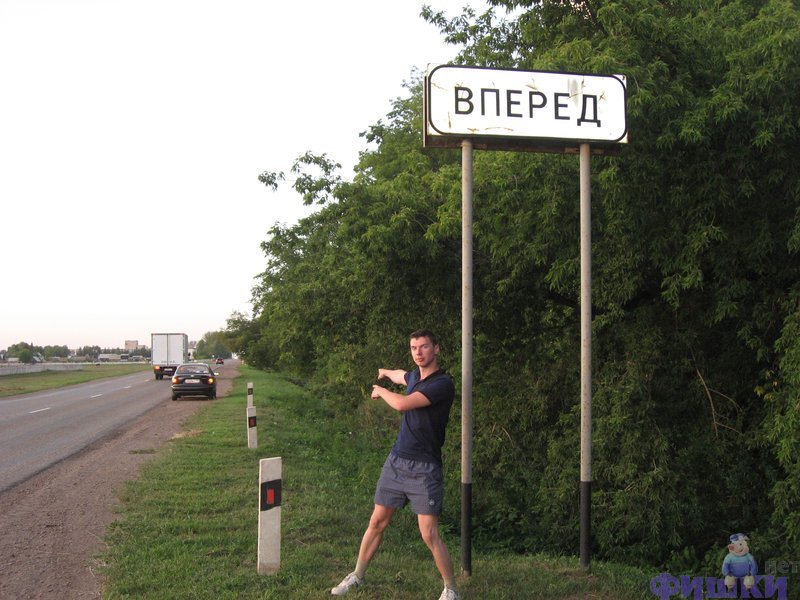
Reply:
x=504, y=109
x=523, y=110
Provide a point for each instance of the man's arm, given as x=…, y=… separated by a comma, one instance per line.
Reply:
x=397, y=376
x=400, y=402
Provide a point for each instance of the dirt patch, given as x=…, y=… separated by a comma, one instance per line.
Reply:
x=185, y=434
x=52, y=525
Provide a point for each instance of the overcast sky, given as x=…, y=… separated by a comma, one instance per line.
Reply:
x=132, y=134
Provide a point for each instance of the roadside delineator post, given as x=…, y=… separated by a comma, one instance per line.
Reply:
x=269, y=515
x=252, y=431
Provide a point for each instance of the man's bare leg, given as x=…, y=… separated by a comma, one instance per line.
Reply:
x=429, y=528
x=378, y=522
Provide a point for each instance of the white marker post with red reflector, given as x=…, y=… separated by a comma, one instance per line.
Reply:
x=269, y=515
x=252, y=431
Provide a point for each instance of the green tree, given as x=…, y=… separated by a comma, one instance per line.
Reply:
x=15, y=349
x=55, y=352
x=90, y=352
x=696, y=228
x=25, y=356
x=248, y=338
x=695, y=266
x=214, y=344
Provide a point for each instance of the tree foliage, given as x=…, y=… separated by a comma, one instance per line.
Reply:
x=213, y=344
x=696, y=300
x=25, y=355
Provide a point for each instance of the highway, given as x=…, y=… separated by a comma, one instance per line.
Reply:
x=40, y=429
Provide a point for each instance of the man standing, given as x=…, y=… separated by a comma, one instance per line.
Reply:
x=412, y=472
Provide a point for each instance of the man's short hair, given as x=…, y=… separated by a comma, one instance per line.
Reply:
x=419, y=333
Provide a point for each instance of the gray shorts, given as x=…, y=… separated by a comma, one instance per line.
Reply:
x=404, y=481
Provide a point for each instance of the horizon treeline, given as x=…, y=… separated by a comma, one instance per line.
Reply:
x=63, y=351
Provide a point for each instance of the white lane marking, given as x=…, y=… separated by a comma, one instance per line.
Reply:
x=95, y=396
x=40, y=410
x=127, y=387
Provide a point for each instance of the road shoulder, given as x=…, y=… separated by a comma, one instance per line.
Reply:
x=52, y=525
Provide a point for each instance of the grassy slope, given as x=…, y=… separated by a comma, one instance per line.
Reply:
x=189, y=524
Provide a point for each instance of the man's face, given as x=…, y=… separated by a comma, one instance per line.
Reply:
x=423, y=351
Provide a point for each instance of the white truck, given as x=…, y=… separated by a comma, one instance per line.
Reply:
x=168, y=350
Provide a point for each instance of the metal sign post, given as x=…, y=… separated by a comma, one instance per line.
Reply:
x=466, y=357
x=586, y=354
x=508, y=109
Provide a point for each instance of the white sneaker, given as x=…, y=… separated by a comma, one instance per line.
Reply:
x=347, y=584
x=448, y=594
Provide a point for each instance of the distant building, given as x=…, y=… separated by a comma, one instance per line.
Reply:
x=131, y=345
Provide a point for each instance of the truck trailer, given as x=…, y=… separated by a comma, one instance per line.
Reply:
x=168, y=350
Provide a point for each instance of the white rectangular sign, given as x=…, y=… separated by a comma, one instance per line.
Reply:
x=495, y=104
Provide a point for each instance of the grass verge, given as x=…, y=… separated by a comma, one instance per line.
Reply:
x=11, y=385
x=188, y=525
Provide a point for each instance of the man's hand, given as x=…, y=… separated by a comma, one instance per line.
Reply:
x=376, y=392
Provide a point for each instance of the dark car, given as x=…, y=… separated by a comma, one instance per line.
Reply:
x=219, y=361
x=194, y=379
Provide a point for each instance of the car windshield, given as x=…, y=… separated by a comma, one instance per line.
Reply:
x=193, y=370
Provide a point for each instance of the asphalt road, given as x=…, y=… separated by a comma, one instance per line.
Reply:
x=40, y=429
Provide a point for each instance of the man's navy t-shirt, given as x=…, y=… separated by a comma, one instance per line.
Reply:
x=422, y=430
